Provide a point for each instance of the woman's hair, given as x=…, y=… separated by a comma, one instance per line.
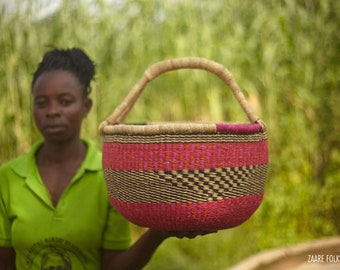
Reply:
x=73, y=60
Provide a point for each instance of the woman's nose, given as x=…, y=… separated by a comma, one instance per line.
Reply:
x=53, y=109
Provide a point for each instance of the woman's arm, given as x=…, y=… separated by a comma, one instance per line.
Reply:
x=140, y=253
x=137, y=256
x=7, y=258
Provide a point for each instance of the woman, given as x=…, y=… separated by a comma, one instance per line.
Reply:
x=54, y=209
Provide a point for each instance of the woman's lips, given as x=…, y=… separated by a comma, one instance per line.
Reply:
x=54, y=129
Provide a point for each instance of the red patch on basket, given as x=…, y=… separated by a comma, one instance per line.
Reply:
x=179, y=156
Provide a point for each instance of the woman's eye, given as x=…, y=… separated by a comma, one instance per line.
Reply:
x=40, y=103
x=65, y=102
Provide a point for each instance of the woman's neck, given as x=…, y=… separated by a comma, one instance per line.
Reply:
x=59, y=153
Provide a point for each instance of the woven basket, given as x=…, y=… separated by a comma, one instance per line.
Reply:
x=185, y=176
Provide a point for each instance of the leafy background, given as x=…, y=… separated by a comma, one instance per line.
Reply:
x=284, y=54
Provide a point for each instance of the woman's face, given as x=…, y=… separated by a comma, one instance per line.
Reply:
x=59, y=105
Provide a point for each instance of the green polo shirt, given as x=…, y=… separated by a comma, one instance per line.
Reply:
x=70, y=235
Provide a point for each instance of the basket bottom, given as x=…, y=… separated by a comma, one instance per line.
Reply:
x=190, y=216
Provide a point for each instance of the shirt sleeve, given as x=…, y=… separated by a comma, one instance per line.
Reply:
x=5, y=224
x=117, y=235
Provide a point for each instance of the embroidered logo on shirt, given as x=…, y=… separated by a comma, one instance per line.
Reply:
x=54, y=254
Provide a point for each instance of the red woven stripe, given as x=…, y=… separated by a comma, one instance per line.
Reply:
x=179, y=156
x=216, y=215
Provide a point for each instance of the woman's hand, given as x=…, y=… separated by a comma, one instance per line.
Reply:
x=190, y=234
x=183, y=234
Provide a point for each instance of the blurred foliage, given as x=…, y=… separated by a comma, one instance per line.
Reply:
x=284, y=54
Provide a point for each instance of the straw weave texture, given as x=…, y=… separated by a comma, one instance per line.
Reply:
x=186, y=185
x=185, y=176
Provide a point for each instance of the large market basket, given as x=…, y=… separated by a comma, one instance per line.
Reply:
x=185, y=176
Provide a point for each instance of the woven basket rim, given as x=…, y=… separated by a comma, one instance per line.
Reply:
x=183, y=128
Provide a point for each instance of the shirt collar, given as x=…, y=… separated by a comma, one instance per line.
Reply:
x=24, y=164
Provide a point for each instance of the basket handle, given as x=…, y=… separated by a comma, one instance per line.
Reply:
x=158, y=68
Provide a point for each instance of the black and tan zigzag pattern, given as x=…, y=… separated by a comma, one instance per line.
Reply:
x=185, y=185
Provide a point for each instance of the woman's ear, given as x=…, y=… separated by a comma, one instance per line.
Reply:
x=87, y=106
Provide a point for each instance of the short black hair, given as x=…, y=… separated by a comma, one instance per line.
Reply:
x=74, y=60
